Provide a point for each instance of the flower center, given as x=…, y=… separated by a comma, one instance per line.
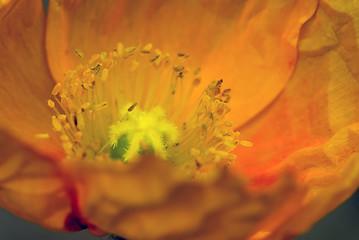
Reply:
x=123, y=103
x=137, y=131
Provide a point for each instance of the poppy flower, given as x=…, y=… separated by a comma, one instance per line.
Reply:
x=123, y=117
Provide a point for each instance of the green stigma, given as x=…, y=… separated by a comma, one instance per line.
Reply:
x=137, y=132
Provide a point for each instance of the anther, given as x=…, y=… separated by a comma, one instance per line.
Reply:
x=56, y=89
x=79, y=53
x=50, y=103
x=42, y=136
x=132, y=107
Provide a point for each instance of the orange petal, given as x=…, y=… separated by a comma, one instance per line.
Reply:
x=329, y=185
x=172, y=26
x=312, y=127
x=25, y=81
x=93, y=26
x=228, y=32
x=31, y=187
x=320, y=99
x=330, y=172
x=259, y=56
x=149, y=199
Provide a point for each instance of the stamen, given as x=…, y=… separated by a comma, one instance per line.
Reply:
x=42, y=136
x=135, y=99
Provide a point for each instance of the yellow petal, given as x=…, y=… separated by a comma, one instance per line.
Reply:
x=25, y=81
x=32, y=187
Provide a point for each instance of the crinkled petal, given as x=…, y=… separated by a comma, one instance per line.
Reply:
x=331, y=171
x=32, y=186
x=25, y=80
x=251, y=44
x=312, y=127
x=151, y=200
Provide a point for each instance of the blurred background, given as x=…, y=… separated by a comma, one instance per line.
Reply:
x=341, y=224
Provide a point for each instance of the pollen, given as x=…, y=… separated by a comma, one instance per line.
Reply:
x=121, y=104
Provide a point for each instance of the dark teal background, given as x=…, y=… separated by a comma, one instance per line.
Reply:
x=341, y=224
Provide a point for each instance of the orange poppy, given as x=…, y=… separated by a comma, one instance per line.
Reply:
x=291, y=68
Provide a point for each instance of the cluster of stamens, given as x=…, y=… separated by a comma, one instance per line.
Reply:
x=100, y=104
x=207, y=139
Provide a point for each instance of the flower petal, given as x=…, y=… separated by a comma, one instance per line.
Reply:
x=31, y=186
x=25, y=81
x=312, y=127
x=149, y=199
x=259, y=57
x=228, y=32
x=329, y=186
x=330, y=171
x=171, y=25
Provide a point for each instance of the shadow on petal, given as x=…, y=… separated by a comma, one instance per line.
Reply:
x=151, y=199
x=32, y=186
